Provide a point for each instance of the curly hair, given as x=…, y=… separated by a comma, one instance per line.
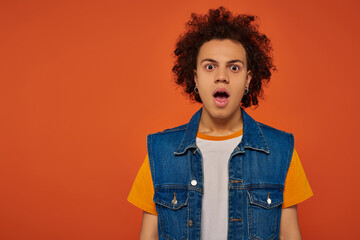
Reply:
x=222, y=24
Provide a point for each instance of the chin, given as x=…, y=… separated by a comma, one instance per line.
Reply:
x=223, y=112
x=220, y=113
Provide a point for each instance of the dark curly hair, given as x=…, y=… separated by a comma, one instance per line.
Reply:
x=222, y=24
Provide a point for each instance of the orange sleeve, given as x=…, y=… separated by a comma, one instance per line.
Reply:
x=297, y=187
x=142, y=191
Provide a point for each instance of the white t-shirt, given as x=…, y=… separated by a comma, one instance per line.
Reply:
x=216, y=154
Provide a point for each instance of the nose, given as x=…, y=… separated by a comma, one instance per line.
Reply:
x=221, y=76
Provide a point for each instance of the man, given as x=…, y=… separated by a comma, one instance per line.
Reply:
x=222, y=175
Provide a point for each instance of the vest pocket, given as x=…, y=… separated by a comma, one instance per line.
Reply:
x=171, y=206
x=264, y=211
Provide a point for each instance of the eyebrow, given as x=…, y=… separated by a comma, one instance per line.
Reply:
x=214, y=61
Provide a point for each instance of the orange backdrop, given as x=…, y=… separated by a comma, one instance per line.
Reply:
x=83, y=82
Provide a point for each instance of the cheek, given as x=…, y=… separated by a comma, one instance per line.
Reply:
x=203, y=90
x=201, y=80
x=205, y=76
x=238, y=90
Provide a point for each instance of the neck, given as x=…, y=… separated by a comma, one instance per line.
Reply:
x=213, y=126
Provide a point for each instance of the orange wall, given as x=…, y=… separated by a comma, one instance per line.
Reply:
x=83, y=82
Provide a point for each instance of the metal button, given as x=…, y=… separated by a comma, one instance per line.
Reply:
x=193, y=182
x=174, y=201
x=191, y=223
x=268, y=199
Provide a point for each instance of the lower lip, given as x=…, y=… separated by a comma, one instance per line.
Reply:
x=221, y=103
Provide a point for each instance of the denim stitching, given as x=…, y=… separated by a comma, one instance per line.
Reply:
x=188, y=217
x=267, y=126
x=171, y=130
x=291, y=152
x=250, y=206
x=264, y=185
x=150, y=155
x=257, y=149
x=160, y=217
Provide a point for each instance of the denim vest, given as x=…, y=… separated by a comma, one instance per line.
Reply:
x=257, y=172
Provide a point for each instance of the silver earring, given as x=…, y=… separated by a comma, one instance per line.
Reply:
x=196, y=90
x=246, y=91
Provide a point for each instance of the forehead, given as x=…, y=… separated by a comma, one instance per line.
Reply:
x=222, y=50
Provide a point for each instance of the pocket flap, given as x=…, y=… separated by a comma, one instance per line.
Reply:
x=266, y=197
x=170, y=197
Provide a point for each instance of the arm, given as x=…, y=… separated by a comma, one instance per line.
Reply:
x=149, y=227
x=289, y=226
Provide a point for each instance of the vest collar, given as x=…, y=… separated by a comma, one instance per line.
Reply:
x=253, y=137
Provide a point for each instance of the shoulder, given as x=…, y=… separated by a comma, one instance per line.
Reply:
x=265, y=127
x=272, y=131
x=276, y=138
x=178, y=129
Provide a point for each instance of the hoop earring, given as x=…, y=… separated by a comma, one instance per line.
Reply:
x=246, y=91
x=196, y=90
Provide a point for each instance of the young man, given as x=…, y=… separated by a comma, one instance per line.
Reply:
x=222, y=175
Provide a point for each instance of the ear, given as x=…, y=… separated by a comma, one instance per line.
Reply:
x=195, y=77
x=248, y=79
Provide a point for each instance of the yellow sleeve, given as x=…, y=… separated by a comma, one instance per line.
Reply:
x=142, y=191
x=297, y=187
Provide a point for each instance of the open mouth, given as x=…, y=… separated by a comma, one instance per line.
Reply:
x=221, y=96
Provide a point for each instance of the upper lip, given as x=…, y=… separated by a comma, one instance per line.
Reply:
x=221, y=89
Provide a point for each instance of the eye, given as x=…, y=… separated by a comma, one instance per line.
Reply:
x=209, y=67
x=235, y=68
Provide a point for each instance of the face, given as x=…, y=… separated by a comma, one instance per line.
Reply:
x=221, y=77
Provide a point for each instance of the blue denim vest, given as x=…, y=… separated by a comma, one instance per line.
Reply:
x=257, y=172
